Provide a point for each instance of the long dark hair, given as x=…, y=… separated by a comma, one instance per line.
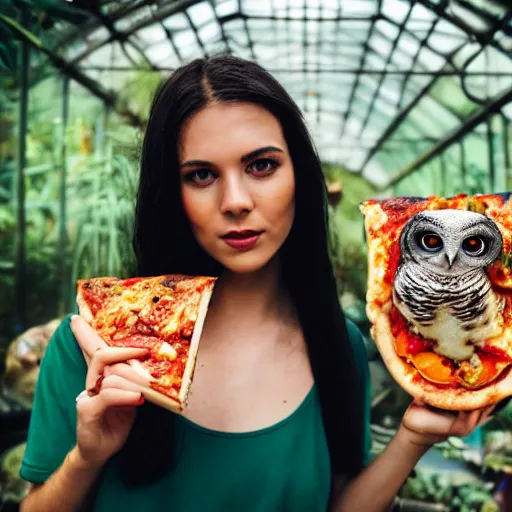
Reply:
x=164, y=243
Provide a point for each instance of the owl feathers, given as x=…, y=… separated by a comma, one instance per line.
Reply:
x=441, y=286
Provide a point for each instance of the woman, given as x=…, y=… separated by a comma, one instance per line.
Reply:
x=278, y=414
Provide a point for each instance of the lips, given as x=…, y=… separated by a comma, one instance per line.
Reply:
x=240, y=235
x=245, y=239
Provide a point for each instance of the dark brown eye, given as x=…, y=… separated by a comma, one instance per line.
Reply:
x=474, y=246
x=430, y=242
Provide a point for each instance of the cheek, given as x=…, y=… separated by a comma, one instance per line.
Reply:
x=282, y=202
x=198, y=208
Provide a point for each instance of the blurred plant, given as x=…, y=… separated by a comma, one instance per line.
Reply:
x=441, y=488
x=100, y=197
x=102, y=212
x=12, y=487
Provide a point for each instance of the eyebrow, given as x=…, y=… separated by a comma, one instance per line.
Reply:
x=261, y=151
x=244, y=159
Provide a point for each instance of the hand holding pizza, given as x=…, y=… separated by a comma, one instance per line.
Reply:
x=106, y=408
x=424, y=426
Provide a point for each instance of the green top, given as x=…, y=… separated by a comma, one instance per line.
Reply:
x=279, y=468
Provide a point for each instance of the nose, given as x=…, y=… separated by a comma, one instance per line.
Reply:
x=236, y=198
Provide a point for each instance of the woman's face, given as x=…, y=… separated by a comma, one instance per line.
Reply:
x=237, y=184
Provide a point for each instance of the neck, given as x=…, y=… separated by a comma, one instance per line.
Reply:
x=261, y=295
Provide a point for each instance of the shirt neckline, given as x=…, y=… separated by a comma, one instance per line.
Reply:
x=251, y=433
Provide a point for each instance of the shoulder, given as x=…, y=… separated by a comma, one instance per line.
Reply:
x=63, y=348
x=52, y=429
x=361, y=362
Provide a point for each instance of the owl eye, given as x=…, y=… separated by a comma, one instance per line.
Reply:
x=474, y=246
x=430, y=242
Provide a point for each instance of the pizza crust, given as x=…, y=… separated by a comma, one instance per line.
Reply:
x=194, y=345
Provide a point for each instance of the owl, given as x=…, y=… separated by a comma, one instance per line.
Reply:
x=441, y=285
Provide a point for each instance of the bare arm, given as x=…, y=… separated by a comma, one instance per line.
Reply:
x=376, y=487
x=66, y=490
x=104, y=420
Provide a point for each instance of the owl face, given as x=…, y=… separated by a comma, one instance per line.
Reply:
x=451, y=241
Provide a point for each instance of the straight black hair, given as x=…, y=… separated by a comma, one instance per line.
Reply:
x=164, y=243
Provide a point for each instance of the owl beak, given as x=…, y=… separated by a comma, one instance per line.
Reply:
x=450, y=258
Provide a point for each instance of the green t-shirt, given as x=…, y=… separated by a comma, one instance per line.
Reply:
x=284, y=467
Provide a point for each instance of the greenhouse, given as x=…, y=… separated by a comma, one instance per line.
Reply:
x=402, y=98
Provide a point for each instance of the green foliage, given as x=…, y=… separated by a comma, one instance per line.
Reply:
x=137, y=91
x=347, y=235
x=442, y=488
x=99, y=203
x=103, y=212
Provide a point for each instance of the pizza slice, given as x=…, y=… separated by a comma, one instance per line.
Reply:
x=164, y=314
x=439, y=295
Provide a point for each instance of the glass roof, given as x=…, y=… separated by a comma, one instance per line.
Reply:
x=380, y=82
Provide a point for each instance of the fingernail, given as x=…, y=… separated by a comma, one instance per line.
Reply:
x=72, y=317
x=141, y=399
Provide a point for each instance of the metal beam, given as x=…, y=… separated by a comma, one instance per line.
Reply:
x=20, y=258
x=423, y=43
x=382, y=77
x=223, y=34
x=174, y=46
x=441, y=12
x=64, y=66
x=487, y=16
x=167, y=10
x=196, y=33
x=240, y=14
x=108, y=97
x=474, y=119
x=347, y=71
x=506, y=151
x=490, y=153
x=62, y=274
x=395, y=123
x=355, y=85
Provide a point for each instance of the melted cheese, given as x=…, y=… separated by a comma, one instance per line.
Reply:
x=167, y=351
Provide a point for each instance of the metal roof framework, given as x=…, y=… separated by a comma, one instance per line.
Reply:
x=385, y=85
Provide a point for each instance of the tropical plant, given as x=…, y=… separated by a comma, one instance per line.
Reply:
x=469, y=496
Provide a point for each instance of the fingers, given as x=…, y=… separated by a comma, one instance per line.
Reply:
x=116, y=382
x=107, y=356
x=87, y=338
x=93, y=407
x=467, y=421
x=424, y=420
x=128, y=372
x=487, y=414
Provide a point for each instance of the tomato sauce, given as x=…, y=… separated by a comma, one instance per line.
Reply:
x=137, y=341
x=131, y=281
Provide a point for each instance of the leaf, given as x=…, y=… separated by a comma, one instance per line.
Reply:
x=17, y=27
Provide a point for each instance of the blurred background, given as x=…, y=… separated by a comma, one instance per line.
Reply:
x=401, y=97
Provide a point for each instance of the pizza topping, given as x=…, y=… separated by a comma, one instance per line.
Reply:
x=488, y=368
x=434, y=367
x=131, y=281
x=167, y=351
x=407, y=343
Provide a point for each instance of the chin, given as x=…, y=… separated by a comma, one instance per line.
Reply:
x=245, y=263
